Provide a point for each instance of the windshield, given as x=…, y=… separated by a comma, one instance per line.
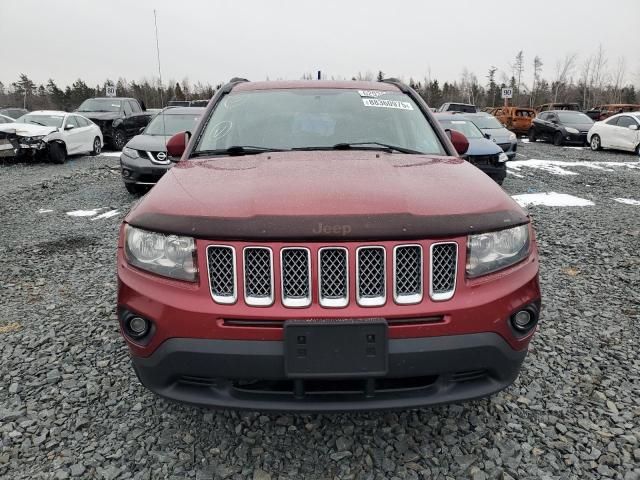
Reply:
x=486, y=122
x=573, y=117
x=465, y=127
x=318, y=118
x=100, y=105
x=170, y=124
x=39, y=119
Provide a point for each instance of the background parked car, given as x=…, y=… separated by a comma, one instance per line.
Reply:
x=482, y=152
x=557, y=106
x=458, y=107
x=560, y=127
x=602, y=112
x=516, y=119
x=489, y=125
x=5, y=119
x=620, y=132
x=13, y=112
x=119, y=118
x=53, y=134
x=144, y=159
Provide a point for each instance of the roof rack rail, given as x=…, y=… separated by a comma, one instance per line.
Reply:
x=226, y=88
x=398, y=83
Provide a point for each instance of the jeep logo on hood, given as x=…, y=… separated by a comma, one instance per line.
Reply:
x=332, y=229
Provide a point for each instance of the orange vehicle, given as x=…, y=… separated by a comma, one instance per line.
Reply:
x=602, y=112
x=516, y=119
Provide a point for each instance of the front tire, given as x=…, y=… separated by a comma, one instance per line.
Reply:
x=595, y=143
x=119, y=139
x=532, y=135
x=558, y=141
x=57, y=153
x=97, y=147
x=134, y=188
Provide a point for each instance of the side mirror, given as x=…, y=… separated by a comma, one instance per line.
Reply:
x=459, y=141
x=69, y=127
x=141, y=129
x=487, y=136
x=177, y=145
x=633, y=127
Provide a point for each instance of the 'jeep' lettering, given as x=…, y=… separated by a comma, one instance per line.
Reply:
x=332, y=229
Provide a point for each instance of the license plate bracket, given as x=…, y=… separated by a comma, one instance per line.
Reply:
x=336, y=348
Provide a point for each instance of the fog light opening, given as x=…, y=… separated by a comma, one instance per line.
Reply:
x=126, y=173
x=524, y=320
x=138, y=327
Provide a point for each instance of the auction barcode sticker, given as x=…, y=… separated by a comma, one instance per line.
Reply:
x=371, y=93
x=376, y=102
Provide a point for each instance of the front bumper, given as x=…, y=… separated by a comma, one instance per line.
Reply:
x=141, y=170
x=579, y=138
x=245, y=374
x=509, y=148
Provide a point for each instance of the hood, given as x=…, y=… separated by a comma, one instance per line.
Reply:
x=482, y=146
x=27, y=129
x=582, y=127
x=325, y=195
x=100, y=115
x=501, y=135
x=149, y=143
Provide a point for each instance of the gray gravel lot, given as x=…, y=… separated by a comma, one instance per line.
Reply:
x=71, y=406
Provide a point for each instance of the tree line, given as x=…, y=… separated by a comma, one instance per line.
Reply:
x=593, y=81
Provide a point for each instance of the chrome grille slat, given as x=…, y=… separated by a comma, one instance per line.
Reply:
x=443, y=266
x=371, y=276
x=407, y=278
x=222, y=273
x=258, y=276
x=333, y=274
x=295, y=275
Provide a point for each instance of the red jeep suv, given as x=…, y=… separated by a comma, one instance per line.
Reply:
x=320, y=246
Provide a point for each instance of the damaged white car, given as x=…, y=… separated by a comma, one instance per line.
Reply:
x=53, y=135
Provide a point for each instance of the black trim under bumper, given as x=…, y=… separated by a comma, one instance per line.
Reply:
x=141, y=170
x=244, y=374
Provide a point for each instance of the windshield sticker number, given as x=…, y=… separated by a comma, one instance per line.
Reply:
x=371, y=93
x=374, y=102
x=458, y=122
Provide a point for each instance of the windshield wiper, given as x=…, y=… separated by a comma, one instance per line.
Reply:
x=37, y=123
x=363, y=146
x=236, y=150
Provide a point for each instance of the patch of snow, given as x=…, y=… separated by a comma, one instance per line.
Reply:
x=110, y=154
x=84, y=213
x=109, y=214
x=575, y=148
x=45, y=210
x=551, y=199
x=517, y=175
x=524, y=140
x=559, y=167
x=627, y=201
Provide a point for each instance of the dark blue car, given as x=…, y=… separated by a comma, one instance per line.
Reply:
x=483, y=153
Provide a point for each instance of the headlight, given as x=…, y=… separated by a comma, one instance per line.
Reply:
x=503, y=157
x=512, y=136
x=167, y=255
x=37, y=138
x=489, y=252
x=571, y=130
x=130, y=152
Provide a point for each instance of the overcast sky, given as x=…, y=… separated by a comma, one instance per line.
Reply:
x=212, y=41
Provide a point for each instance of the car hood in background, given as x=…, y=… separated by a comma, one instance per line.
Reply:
x=149, y=143
x=100, y=115
x=482, y=146
x=27, y=129
x=582, y=127
x=500, y=135
x=357, y=195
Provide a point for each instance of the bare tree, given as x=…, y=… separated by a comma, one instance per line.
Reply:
x=598, y=76
x=585, y=79
x=537, y=70
x=563, y=70
x=618, y=79
x=518, y=67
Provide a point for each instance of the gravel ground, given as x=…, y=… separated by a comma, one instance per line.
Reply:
x=71, y=406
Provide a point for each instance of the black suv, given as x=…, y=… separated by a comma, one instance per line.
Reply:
x=119, y=118
x=560, y=127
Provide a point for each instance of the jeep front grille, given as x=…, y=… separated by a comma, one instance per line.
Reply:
x=371, y=276
x=295, y=275
x=334, y=277
x=407, y=280
x=295, y=267
x=444, y=259
x=222, y=273
x=258, y=276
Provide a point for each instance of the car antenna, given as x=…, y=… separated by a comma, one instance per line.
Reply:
x=155, y=21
